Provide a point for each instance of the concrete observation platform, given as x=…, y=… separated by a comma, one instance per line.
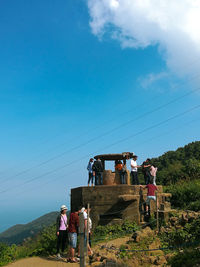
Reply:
x=114, y=202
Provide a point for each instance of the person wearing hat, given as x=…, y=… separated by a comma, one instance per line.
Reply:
x=134, y=171
x=61, y=230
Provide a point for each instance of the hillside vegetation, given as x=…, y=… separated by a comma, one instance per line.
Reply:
x=182, y=164
x=179, y=172
x=19, y=233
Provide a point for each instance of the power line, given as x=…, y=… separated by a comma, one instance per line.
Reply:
x=113, y=144
x=104, y=134
x=99, y=126
x=138, y=144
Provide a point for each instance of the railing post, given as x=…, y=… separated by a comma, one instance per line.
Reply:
x=157, y=215
x=82, y=240
x=88, y=215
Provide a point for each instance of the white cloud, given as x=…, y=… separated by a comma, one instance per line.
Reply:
x=152, y=78
x=173, y=25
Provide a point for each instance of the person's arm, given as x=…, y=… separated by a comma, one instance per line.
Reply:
x=146, y=166
x=88, y=166
x=57, y=225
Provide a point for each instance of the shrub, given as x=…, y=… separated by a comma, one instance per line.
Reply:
x=185, y=195
x=187, y=258
x=113, y=231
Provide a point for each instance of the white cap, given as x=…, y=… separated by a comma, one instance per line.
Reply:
x=82, y=210
x=63, y=207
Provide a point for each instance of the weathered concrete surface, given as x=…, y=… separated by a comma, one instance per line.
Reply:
x=113, y=204
x=113, y=178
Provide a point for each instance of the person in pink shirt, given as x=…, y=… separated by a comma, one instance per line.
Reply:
x=153, y=171
x=61, y=230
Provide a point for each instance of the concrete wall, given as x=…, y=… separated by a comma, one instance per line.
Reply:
x=113, y=204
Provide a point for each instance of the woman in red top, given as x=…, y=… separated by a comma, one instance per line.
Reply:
x=151, y=188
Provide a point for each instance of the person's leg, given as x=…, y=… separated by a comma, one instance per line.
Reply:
x=134, y=178
x=59, y=239
x=89, y=178
x=64, y=240
x=148, y=178
x=145, y=178
x=96, y=178
x=147, y=204
x=131, y=178
x=92, y=179
x=102, y=178
x=122, y=177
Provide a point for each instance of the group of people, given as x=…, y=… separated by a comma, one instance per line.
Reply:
x=148, y=169
x=95, y=171
x=67, y=230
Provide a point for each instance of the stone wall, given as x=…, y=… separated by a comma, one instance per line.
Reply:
x=113, y=204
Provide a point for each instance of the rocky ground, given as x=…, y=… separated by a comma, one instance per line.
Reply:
x=109, y=254
x=121, y=252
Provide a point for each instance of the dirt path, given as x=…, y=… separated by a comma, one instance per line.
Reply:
x=42, y=262
x=53, y=262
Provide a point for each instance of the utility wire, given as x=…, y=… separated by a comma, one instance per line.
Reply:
x=113, y=144
x=99, y=126
x=137, y=145
x=104, y=134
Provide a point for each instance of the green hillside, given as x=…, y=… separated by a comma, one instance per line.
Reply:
x=182, y=164
x=21, y=232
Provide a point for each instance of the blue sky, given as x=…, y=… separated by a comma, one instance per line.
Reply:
x=61, y=86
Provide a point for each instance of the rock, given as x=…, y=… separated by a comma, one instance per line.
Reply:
x=160, y=260
x=152, y=259
x=94, y=264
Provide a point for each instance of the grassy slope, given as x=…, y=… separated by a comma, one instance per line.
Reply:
x=16, y=234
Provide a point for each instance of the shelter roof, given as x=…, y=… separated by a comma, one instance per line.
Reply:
x=119, y=156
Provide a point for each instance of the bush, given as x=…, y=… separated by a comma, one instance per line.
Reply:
x=43, y=244
x=185, y=195
x=188, y=258
x=187, y=236
x=114, y=231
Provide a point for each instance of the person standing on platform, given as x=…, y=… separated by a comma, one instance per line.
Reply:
x=146, y=165
x=134, y=171
x=90, y=172
x=153, y=172
x=98, y=170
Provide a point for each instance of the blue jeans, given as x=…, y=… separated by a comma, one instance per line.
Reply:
x=123, y=177
x=90, y=178
x=98, y=178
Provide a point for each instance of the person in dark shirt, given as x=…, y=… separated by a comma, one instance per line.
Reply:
x=146, y=165
x=72, y=233
x=98, y=170
x=151, y=188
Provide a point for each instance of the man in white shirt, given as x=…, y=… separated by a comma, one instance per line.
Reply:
x=134, y=169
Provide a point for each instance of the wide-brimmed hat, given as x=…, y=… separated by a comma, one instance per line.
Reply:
x=63, y=207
